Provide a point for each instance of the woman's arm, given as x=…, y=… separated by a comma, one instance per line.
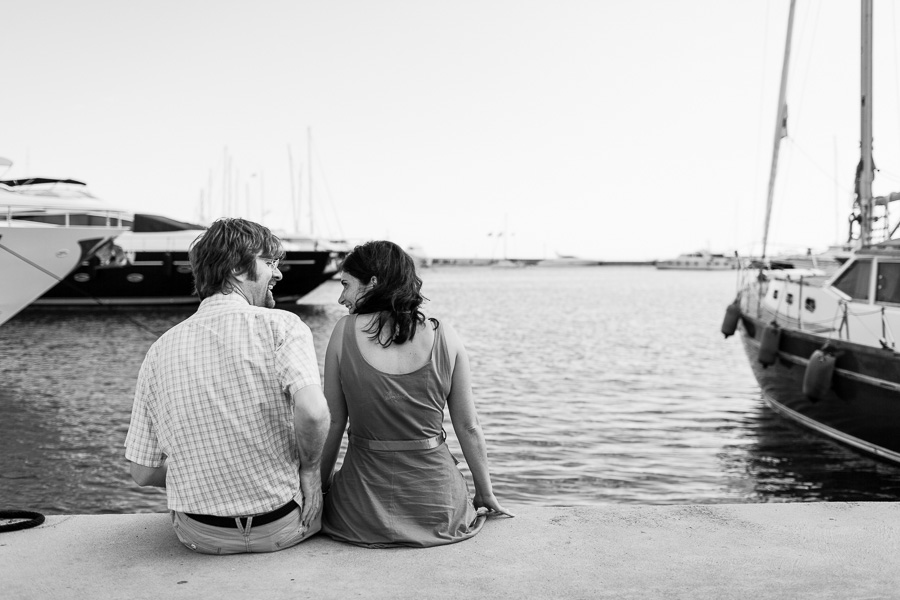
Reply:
x=461, y=405
x=334, y=395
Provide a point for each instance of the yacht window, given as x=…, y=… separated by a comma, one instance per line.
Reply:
x=888, y=286
x=855, y=280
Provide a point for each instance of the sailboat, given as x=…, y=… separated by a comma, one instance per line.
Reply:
x=823, y=346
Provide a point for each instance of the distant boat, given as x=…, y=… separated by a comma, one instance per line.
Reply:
x=828, y=261
x=567, y=261
x=507, y=264
x=47, y=229
x=700, y=261
x=418, y=254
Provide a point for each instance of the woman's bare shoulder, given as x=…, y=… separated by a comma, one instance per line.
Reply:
x=337, y=334
x=454, y=342
x=341, y=323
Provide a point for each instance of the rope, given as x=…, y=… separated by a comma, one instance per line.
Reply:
x=99, y=302
x=25, y=519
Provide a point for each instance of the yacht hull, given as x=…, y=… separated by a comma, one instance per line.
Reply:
x=862, y=408
x=35, y=259
x=165, y=278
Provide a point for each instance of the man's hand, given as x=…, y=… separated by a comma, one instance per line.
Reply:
x=311, y=486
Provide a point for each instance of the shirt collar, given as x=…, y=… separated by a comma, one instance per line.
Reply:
x=220, y=299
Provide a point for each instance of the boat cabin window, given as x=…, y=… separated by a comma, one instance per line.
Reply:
x=887, y=288
x=855, y=280
x=75, y=219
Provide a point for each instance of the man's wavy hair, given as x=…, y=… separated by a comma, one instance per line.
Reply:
x=395, y=298
x=228, y=248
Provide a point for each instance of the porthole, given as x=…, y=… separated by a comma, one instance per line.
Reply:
x=81, y=277
x=810, y=304
x=134, y=277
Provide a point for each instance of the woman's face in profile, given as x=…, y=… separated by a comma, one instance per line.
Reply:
x=351, y=290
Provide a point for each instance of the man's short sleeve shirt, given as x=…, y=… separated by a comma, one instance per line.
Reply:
x=215, y=396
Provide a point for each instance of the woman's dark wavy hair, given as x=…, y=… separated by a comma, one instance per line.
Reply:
x=228, y=247
x=397, y=295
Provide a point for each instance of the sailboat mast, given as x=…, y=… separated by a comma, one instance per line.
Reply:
x=309, y=156
x=866, y=175
x=780, y=124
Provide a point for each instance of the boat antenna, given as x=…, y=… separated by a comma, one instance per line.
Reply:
x=780, y=125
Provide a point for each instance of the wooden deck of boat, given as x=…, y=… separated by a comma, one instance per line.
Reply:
x=803, y=550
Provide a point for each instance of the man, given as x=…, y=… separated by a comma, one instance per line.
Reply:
x=229, y=415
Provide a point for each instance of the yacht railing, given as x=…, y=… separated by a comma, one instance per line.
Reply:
x=13, y=213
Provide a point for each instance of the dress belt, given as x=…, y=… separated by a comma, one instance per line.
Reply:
x=397, y=445
x=257, y=519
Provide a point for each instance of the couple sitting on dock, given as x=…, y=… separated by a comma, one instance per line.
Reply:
x=230, y=417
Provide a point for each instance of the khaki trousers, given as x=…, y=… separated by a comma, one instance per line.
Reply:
x=271, y=537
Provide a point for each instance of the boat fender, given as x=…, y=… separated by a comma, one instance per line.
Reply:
x=768, y=345
x=732, y=314
x=819, y=371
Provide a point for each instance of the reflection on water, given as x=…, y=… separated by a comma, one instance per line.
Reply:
x=787, y=462
x=593, y=385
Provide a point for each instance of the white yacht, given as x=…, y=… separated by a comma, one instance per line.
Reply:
x=700, y=261
x=48, y=227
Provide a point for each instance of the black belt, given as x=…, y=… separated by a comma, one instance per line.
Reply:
x=257, y=519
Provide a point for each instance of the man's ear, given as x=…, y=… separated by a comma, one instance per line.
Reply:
x=374, y=281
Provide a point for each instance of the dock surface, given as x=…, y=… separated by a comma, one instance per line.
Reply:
x=803, y=550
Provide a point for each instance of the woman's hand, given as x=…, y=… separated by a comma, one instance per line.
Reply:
x=490, y=504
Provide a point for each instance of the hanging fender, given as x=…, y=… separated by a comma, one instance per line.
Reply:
x=818, y=375
x=768, y=344
x=732, y=315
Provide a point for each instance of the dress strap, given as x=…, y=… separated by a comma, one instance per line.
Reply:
x=397, y=445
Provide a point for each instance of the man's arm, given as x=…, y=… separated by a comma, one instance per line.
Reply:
x=311, y=419
x=149, y=476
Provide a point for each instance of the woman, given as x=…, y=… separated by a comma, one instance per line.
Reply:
x=392, y=371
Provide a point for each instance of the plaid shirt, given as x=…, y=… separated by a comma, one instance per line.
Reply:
x=214, y=396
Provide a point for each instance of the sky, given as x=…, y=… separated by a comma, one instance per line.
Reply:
x=602, y=129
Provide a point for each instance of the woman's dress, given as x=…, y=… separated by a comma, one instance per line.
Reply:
x=399, y=485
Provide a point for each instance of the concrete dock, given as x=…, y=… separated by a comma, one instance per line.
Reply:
x=806, y=550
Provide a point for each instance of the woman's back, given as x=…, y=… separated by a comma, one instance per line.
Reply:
x=395, y=359
x=398, y=392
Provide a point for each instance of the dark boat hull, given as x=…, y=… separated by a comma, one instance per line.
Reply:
x=165, y=278
x=862, y=408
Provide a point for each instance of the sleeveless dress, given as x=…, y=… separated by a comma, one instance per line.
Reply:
x=399, y=485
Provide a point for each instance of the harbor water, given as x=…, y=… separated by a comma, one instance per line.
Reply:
x=593, y=384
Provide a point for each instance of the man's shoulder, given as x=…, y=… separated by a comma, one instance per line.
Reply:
x=280, y=315
x=283, y=322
